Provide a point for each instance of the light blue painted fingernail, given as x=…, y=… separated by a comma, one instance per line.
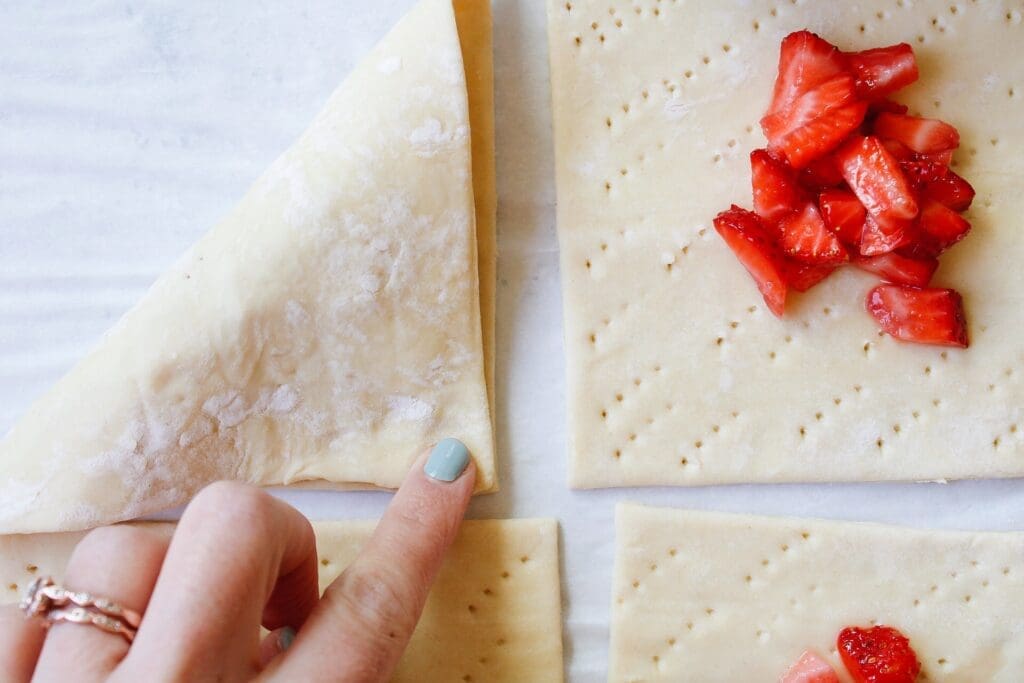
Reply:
x=285, y=638
x=447, y=461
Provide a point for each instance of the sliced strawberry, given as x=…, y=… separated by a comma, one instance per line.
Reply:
x=743, y=231
x=951, y=190
x=898, y=269
x=939, y=228
x=822, y=173
x=805, y=238
x=803, y=276
x=920, y=172
x=924, y=136
x=879, y=654
x=874, y=175
x=898, y=150
x=817, y=138
x=810, y=668
x=776, y=191
x=943, y=158
x=815, y=122
x=925, y=316
x=876, y=107
x=884, y=70
x=879, y=106
x=810, y=105
x=882, y=235
x=843, y=213
x=805, y=62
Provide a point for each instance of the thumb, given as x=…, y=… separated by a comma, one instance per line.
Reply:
x=364, y=621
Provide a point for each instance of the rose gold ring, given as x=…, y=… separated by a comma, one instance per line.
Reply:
x=44, y=598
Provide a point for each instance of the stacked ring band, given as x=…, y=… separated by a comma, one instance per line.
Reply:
x=44, y=598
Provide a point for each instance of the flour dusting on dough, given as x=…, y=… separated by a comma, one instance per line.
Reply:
x=408, y=409
x=230, y=408
x=431, y=138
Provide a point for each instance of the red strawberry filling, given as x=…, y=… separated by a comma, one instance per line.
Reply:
x=875, y=176
x=776, y=191
x=743, y=231
x=879, y=654
x=924, y=136
x=951, y=190
x=805, y=61
x=927, y=316
x=850, y=176
x=844, y=215
x=883, y=70
x=806, y=238
x=899, y=269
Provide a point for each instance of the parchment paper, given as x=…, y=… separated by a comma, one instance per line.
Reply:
x=128, y=128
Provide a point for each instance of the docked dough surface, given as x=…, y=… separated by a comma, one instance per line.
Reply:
x=677, y=372
x=714, y=597
x=327, y=330
x=494, y=613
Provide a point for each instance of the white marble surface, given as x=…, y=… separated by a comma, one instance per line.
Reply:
x=127, y=128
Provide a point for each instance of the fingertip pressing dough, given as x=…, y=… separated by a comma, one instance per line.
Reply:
x=494, y=613
x=677, y=372
x=326, y=331
x=717, y=597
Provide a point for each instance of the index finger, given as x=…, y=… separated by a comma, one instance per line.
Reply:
x=364, y=620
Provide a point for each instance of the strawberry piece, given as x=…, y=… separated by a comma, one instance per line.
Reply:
x=844, y=214
x=925, y=316
x=952, y=191
x=814, y=123
x=876, y=107
x=879, y=106
x=819, y=137
x=744, y=233
x=805, y=237
x=874, y=175
x=898, y=150
x=776, y=191
x=805, y=62
x=808, y=106
x=822, y=173
x=942, y=158
x=921, y=171
x=882, y=71
x=810, y=668
x=882, y=235
x=939, y=228
x=879, y=654
x=898, y=269
x=924, y=136
x=803, y=276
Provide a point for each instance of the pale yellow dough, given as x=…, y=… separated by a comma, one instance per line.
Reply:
x=713, y=597
x=327, y=330
x=678, y=374
x=493, y=615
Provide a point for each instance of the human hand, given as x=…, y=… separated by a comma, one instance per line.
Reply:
x=240, y=558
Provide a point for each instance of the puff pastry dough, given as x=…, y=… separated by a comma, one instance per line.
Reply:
x=677, y=372
x=715, y=597
x=327, y=330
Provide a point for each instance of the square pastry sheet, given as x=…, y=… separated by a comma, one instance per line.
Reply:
x=494, y=613
x=678, y=374
x=713, y=597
